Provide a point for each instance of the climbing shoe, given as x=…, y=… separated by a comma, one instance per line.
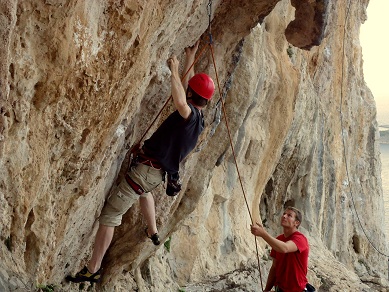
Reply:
x=85, y=276
x=154, y=238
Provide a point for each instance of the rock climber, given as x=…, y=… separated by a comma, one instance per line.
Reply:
x=290, y=250
x=161, y=153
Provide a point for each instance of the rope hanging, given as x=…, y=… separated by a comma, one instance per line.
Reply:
x=137, y=145
x=229, y=134
x=235, y=161
x=344, y=142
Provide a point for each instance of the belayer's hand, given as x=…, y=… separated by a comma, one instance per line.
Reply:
x=257, y=229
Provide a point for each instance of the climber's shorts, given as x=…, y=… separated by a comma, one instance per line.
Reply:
x=122, y=197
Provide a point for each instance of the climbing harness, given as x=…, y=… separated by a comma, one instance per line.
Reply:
x=344, y=142
x=147, y=160
x=138, y=157
x=137, y=188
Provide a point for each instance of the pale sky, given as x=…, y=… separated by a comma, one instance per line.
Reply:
x=375, y=49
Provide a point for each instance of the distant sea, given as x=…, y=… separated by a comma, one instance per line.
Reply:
x=385, y=181
x=383, y=120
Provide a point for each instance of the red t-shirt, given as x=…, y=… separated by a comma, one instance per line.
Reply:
x=292, y=268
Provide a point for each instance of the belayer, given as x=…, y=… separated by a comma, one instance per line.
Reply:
x=290, y=251
x=160, y=154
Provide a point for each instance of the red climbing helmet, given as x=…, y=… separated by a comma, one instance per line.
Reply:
x=203, y=85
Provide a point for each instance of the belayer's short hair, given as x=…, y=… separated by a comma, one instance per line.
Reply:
x=299, y=216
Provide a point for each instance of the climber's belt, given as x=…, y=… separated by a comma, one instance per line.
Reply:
x=149, y=161
x=137, y=188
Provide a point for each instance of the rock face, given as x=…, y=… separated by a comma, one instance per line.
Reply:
x=81, y=81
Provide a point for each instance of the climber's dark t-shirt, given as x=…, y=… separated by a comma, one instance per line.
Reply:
x=174, y=139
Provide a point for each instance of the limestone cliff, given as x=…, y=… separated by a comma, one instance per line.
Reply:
x=80, y=83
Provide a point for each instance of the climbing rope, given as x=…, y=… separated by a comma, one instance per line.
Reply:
x=229, y=133
x=210, y=45
x=344, y=142
x=235, y=160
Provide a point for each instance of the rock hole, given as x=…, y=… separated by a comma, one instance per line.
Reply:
x=12, y=70
x=290, y=203
x=356, y=244
x=31, y=255
x=269, y=188
x=84, y=135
